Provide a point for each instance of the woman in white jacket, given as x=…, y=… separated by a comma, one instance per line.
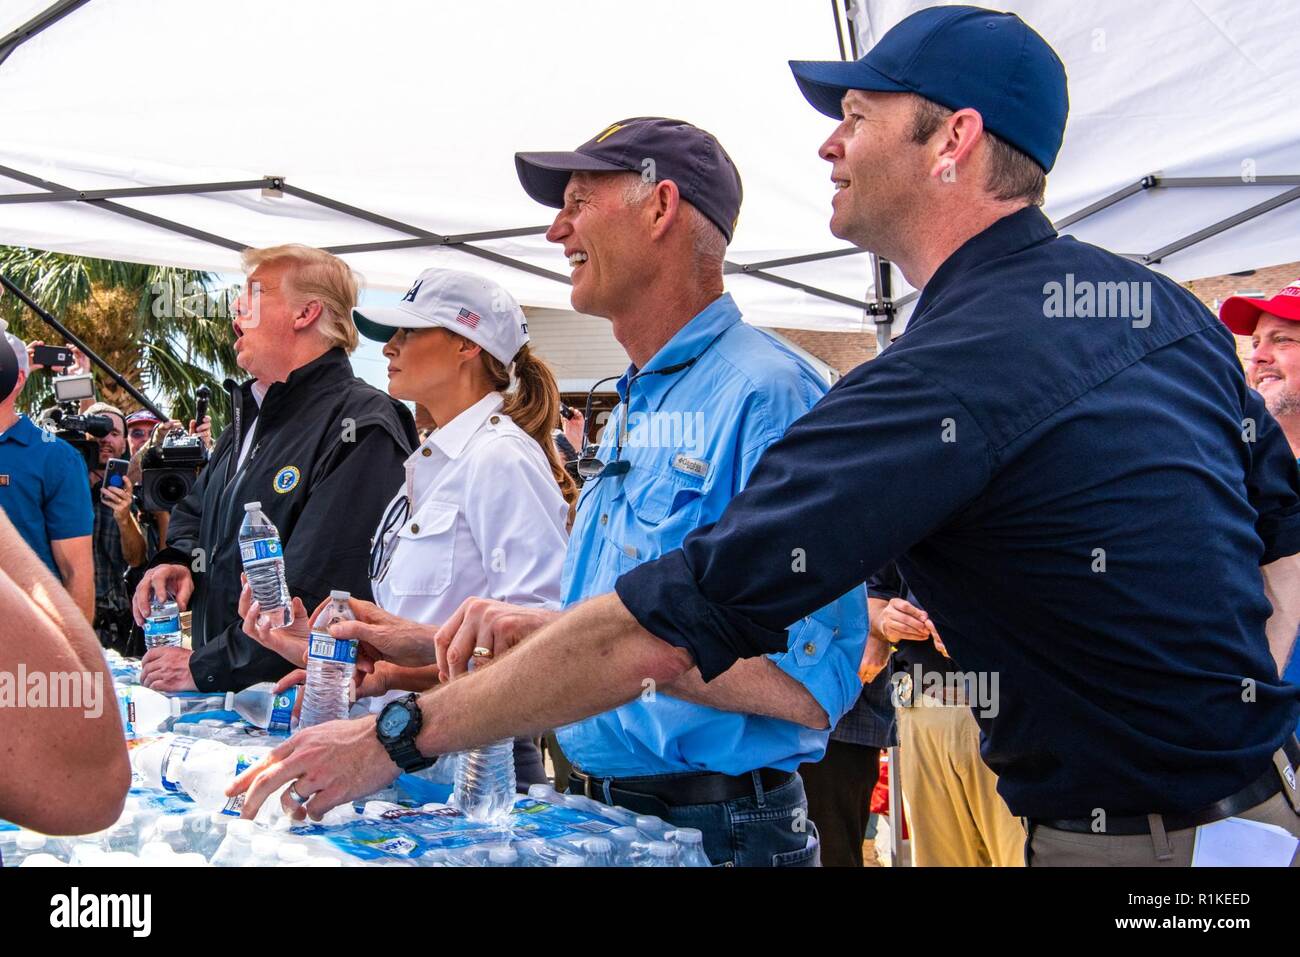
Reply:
x=486, y=503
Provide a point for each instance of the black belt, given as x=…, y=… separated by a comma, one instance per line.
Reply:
x=1253, y=794
x=678, y=790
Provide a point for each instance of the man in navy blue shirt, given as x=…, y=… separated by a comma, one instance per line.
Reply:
x=1060, y=452
x=45, y=491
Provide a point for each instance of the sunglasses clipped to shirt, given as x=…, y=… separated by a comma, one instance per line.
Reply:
x=590, y=466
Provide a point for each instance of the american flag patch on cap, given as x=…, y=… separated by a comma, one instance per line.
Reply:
x=470, y=319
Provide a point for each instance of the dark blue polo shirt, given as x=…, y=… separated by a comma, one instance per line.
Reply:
x=44, y=488
x=1081, y=503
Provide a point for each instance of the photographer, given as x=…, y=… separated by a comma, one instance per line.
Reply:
x=319, y=448
x=118, y=540
x=45, y=493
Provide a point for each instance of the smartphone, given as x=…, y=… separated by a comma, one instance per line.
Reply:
x=53, y=357
x=115, y=471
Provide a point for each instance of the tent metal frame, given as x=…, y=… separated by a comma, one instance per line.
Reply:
x=882, y=308
x=42, y=21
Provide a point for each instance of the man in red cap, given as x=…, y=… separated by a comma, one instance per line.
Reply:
x=1273, y=371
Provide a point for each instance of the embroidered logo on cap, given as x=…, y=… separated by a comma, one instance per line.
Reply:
x=286, y=480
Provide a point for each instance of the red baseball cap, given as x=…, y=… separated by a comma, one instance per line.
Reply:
x=1241, y=313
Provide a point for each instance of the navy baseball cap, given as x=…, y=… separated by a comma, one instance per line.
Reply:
x=959, y=57
x=666, y=149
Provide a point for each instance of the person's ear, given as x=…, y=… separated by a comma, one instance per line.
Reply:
x=954, y=142
x=467, y=351
x=663, y=207
x=308, y=314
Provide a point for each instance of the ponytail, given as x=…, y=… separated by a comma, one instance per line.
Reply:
x=534, y=406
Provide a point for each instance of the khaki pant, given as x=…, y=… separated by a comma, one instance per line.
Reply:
x=1051, y=848
x=954, y=814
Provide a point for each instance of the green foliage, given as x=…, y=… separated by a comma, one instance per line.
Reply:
x=165, y=330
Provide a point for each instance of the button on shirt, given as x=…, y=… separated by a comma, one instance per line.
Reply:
x=692, y=438
x=44, y=488
x=1082, y=502
x=487, y=519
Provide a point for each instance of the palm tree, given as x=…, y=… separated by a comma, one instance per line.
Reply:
x=165, y=330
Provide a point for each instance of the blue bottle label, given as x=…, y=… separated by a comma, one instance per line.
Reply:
x=282, y=711
x=259, y=550
x=325, y=648
x=162, y=626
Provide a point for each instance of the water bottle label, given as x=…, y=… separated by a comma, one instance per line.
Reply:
x=325, y=648
x=259, y=550
x=282, y=712
x=175, y=757
x=162, y=626
x=235, y=806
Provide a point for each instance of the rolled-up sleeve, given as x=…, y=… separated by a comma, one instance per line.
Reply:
x=885, y=459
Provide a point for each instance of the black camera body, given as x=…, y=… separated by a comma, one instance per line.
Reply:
x=169, y=471
x=72, y=428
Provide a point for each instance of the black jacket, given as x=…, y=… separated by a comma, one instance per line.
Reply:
x=326, y=458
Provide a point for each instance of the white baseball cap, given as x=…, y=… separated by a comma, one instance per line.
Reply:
x=468, y=305
x=20, y=351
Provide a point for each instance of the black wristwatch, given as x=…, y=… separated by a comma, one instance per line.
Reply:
x=397, y=727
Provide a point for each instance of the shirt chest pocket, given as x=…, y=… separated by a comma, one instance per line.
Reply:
x=425, y=554
x=657, y=510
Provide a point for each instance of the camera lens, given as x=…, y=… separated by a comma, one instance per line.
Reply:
x=173, y=487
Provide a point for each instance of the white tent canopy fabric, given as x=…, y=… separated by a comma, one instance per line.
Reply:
x=412, y=111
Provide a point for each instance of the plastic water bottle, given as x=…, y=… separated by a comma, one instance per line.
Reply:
x=260, y=706
x=662, y=854
x=199, y=769
x=236, y=848
x=599, y=851
x=484, y=788
x=485, y=782
x=163, y=626
x=503, y=856
x=330, y=665
x=629, y=846
x=263, y=558
x=690, y=847
x=653, y=825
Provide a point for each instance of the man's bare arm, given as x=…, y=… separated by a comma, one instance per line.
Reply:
x=753, y=686
x=1282, y=588
x=66, y=768
x=593, y=658
x=76, y=565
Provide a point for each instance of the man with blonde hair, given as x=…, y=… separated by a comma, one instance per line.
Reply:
x=316, y=446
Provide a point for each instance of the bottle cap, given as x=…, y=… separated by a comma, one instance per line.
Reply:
x=503, y=855
x=30, y=840
x=340, y=595
x=252, y=506
x=689, y=835
x=171, y=823
x=661, y=849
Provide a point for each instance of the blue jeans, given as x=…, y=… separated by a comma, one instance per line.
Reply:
x=765, y=829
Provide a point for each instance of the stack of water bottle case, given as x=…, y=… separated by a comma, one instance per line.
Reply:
x=187, y=748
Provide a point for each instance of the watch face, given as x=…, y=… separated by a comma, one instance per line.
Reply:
x=393, y=720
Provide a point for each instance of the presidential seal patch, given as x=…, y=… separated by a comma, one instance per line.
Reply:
x=286, y=480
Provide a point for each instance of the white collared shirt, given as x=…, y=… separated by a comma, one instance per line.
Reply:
x=486, y=520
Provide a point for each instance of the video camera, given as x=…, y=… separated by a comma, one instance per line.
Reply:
x=168, y=471
x=68, y=425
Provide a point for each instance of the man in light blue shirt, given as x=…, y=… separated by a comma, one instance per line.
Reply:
x=647, y=208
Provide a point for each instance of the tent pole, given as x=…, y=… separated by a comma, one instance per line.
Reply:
x=42, y=21
x=76, y=341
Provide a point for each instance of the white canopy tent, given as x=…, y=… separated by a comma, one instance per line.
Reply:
x=388, y=130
